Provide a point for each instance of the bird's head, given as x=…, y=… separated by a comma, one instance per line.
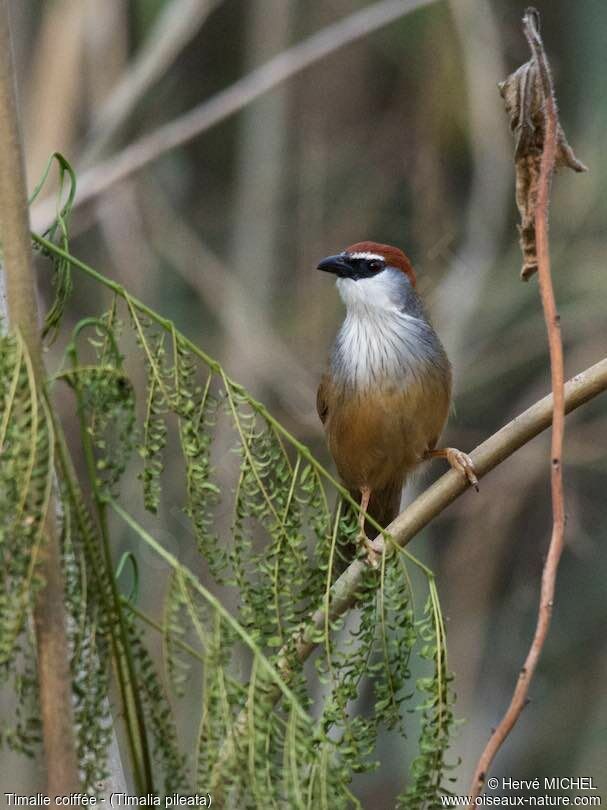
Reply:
x=372, y=275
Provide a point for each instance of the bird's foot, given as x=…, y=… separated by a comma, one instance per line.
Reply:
x=459, y=461
x=374, y=549
x=462, y=462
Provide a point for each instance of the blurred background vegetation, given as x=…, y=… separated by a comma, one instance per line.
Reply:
x=398, y=137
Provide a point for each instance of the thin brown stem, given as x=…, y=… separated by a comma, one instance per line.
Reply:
x=49, y=612
x=519, y=698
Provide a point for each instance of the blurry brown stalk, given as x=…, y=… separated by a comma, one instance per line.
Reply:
x=551, y=317
x=53, y=657
x=176, y=25
x=148, y=148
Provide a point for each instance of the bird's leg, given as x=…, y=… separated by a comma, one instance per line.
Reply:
x=373, y=551
x=458, y=460
x=365, y=497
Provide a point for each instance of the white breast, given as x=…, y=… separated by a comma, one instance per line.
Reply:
x=374, y=346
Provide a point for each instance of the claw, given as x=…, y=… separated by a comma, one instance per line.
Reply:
x=374, y=549
x=459, y=461
x=462, y=462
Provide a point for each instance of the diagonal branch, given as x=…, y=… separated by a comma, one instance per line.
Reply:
x=95, y=181
x=177, y=24
x=549, y=154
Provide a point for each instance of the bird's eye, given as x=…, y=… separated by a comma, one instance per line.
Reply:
x=375, y=265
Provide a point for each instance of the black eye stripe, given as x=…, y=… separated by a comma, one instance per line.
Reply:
x=364, y=266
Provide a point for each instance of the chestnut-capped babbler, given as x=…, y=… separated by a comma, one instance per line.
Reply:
x=386, y=394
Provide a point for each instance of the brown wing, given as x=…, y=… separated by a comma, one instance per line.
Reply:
x=322, y=399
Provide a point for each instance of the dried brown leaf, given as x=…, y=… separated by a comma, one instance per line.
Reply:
x=524, y=97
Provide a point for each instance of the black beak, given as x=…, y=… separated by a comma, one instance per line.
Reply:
x=336, y=264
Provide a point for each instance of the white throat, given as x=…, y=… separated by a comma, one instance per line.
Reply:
x=378, y=342
x=385, y=291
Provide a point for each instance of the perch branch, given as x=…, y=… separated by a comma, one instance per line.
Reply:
x=551, y=317
x=98, y=179
x=49, y=617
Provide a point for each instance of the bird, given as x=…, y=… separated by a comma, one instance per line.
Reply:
x=386, y=393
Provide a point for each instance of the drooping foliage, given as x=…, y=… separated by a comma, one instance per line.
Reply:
x=26, y=477
x=270, y=530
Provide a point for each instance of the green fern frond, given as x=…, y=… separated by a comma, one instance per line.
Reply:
x=26, y=442
x=26, y=479
x=429, y=768
x=177, y=663
x=171, y=762
x=196, y=407
x=154, y=429
x=90, y=642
